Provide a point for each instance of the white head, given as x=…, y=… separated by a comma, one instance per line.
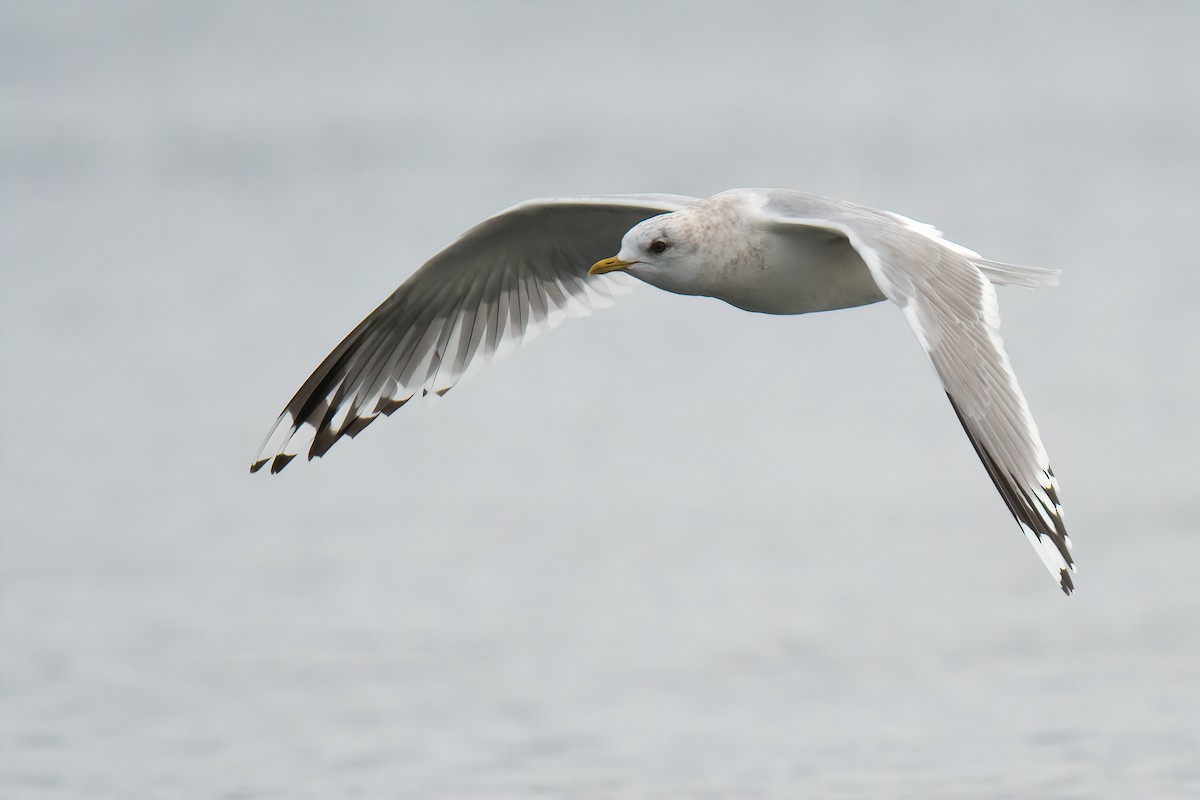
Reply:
x=663, y=251
x=706, y=249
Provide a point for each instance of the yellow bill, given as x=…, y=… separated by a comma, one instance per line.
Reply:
x=609, y=265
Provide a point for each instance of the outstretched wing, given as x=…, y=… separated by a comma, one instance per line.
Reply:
x=951, y=306
x=499, y=285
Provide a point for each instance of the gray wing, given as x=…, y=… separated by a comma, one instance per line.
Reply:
x=944, y=291
x=497, y=286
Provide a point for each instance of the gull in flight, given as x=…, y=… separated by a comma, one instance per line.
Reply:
x=774, y=251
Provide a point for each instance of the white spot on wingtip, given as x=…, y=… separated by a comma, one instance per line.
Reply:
x=1047, y=551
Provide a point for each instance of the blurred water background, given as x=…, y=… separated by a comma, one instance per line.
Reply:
x=671, y=551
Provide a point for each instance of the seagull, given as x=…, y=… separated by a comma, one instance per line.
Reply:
x=772, y=251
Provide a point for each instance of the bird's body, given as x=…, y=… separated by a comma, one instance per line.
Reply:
x=757, y=270
x=765, y=250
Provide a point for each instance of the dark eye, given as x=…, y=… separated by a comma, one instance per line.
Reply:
x=658, y=246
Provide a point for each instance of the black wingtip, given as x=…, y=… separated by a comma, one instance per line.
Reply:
x=280, y=461
x=387, y=405
x=325, y=439
x=1028, y=510
x=1064, y=580
x=257, y=465
x=357, y=424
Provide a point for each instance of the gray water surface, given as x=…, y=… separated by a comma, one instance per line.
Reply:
x=672, y=551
